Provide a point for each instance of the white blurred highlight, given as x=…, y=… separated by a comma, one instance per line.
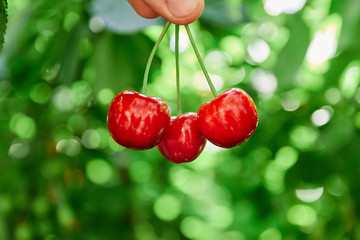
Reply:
x=259, y=51
x=96, y=24
x=276, y=7
x=320, y=117
x=309, y=195
x=323, y=46
x=201, y=84
x=183, y=42
x=265, y=83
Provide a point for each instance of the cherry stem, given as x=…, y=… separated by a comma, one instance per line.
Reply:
x=151, y=57
x=211, y=85
x=179, y=111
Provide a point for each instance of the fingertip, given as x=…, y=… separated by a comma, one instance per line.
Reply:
x=184, y=12
x=143, y=9
x=178, y=12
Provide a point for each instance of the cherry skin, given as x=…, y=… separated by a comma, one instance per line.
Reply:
x=183, y=141
x=137, y=121
x=229, y=119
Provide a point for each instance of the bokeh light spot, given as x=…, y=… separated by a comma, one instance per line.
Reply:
x=40, y=93
x=268, y=31
x=336, y=186
x=192, y=227
x=320, y=117
x=293, y=99
x=63, y=98
x=167, y=207
x=357, y=95
x=91, y=139
x=274, y=178
x=303, y=137
x=333, y=95
x=286, y=157
x=99, y=171
x=218, y=60
x=70, y=20
x=235, y=47
x=81, y=90
x=65, y=215
x=259, y=51
x=264, y=82
x=41, y=42
x=19, y=150
x=184, y=42
x=220, y=216
x=301, y=215
x=200, y=82
x=309, y=195
x=350, y=79
x=105, y=96
x=233, y=235
x=323, y=46
x=51, y=72
x=70, y=147
x=144, y=230
x=276, y=7
x=270, y=234
x=236, y=77
x=104, y=135
x=23, y=126
x=179, y=175
x=96, y=24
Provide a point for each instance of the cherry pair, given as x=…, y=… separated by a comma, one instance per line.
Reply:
x=141, y=122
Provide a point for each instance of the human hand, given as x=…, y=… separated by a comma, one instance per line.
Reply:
x=179, y=12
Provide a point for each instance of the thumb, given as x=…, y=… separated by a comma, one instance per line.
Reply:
x=180, y=12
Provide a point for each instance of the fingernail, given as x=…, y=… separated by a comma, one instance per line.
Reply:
x=182, y=8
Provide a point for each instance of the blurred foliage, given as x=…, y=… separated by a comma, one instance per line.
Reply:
x=63, y=177
x=3, y=21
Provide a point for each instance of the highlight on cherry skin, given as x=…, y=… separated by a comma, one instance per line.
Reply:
x=182, y=142
x=230, y=119
x=137, y=121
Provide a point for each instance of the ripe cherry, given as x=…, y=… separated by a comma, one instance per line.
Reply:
x=183, y=141
x=137, y=121
x=229, y=119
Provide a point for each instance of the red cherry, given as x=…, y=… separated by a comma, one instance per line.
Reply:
x=229, y=119
x=183, y=141
x=137, y=121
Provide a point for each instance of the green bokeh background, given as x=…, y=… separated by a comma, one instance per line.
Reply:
x=63, y=177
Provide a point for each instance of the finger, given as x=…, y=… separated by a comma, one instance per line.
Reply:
x=143, y=9
x=180, y=12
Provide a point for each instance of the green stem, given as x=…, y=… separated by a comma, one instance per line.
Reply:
x=151, y=57
x=211, y=85
x=179, y=111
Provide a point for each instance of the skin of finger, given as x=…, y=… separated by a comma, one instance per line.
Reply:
x=143, y=9
x=160, y=7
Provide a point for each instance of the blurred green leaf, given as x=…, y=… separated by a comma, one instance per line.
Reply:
x=292, y=55
x=3, y=21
